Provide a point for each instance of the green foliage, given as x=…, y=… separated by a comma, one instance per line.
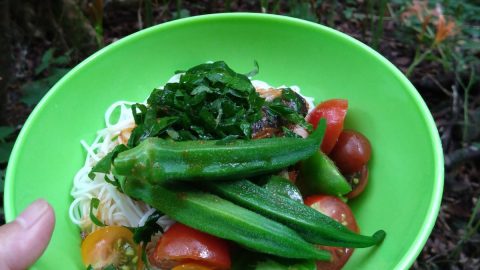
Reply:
x=302, y=9
x=5, y=149
x=96, y=8
x=377, y=29
x=211, y=101
x=48, y=60
x=108, y=267
x=448, y=34
x=441, y=33
x=2, y=180
x=181, y=12
x=94, y=203
x=144, y=233
x=5, y=144
x=50, y=70
x=105, y=164
x=2, y=186
x=5, y=132
x=148, y=13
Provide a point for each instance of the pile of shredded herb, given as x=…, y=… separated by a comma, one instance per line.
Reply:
x=210, y=101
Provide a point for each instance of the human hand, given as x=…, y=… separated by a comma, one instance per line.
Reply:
x=23, y=240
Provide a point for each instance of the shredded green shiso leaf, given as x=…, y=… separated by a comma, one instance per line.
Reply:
x=210, y=101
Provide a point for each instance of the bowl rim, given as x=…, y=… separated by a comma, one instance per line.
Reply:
x=421, y=238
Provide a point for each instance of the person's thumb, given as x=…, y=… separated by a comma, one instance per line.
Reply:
x=23, y=240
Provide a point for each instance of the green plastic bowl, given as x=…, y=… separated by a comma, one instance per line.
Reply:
x=406, y=170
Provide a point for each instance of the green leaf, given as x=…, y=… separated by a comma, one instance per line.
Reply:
x=145, y=260
x=151, y=127
x=108, y=267
x=55, y=75
x=201, y=89
x=211, y=101
x=139, y=117
x=5, y=132
x=288, y=133
x=105, y=164
x=115, y=182
x=61, y=60
x=2, y=180
x=207, y=101
x=94, y=203
x=150, y=228
x=45, y=62
x=34, y=91
x=183, y=13
x=254, y=71
x=302, y=10
x=348, y=12
x=5, y=150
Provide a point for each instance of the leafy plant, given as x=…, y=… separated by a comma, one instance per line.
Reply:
x=2, y=184
x=49, y=71
x=5, y=149
x=377, y=29
x=96, y=13
x=302, y=9
x=5, y=145
x=439, y=34
x=148, y=13
x=444, y=34
x=181, y=12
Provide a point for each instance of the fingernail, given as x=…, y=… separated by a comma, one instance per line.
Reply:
x=32, y=214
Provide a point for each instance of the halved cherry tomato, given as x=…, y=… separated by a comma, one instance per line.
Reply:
x=351, y=152
x=358, y=181
x=334, y=111
x=181, y=244
x=338, y=210
x=111, y=245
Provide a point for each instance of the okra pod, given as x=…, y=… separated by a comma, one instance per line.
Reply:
x=156, y=160
x=312, y=225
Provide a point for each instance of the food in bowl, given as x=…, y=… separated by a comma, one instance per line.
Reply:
x=213, y=162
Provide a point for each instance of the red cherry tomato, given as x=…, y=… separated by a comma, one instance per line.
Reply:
x=181, y=245
x=191, y=266
x=351, y=152
x=334, y=112
x=338, y=210
x=358, y=181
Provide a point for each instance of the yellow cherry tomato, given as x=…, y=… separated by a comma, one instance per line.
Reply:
x=111, y=245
